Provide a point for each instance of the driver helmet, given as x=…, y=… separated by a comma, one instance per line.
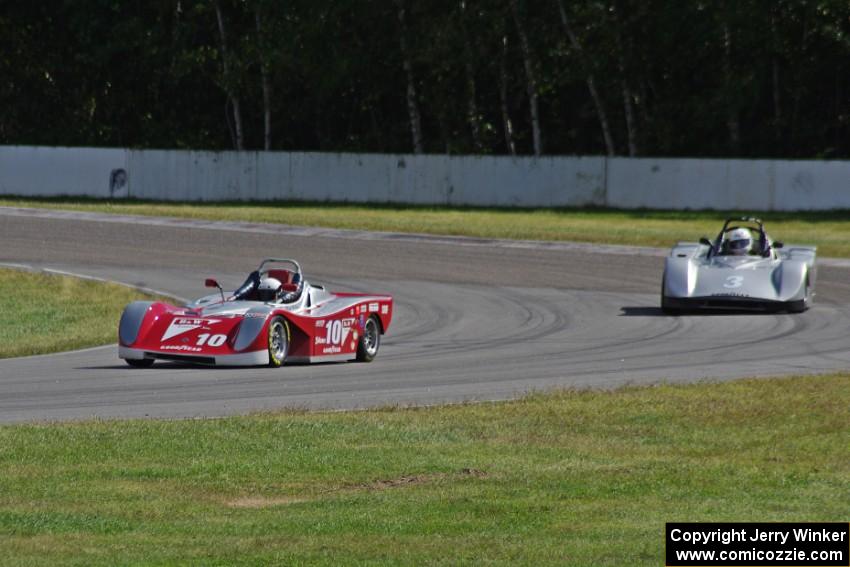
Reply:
x=739, y=242
x=268, y=289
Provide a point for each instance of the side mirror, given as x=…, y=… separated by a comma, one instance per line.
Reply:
x=778, y=244
x=705, y=241
x=210, y=282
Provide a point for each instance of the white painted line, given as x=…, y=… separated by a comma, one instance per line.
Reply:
x=348, y=234
x=62, y=353
x=33, y=269
x=143, y=289
x=116, y=282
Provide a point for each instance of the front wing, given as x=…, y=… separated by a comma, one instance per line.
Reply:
x=732, y=303
x=254, y=358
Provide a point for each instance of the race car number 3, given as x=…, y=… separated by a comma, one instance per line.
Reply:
x=733, y=282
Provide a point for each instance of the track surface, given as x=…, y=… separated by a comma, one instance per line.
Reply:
x=474, y=320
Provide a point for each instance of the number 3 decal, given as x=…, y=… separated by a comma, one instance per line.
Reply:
x=733, y=282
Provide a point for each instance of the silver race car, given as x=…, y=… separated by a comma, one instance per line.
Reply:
x=743, y=269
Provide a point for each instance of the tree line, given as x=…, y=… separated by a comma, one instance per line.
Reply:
x=726, y=78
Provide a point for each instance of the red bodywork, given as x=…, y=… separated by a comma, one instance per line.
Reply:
x=198, y=335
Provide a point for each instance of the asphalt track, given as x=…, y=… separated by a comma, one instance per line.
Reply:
x=475, y=319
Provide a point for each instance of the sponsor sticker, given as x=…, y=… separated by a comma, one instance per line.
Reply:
x=180, y=325
x=385, y=308
x=184, y=348
x=373, y=307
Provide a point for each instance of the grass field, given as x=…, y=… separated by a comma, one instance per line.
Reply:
x=41, y=313
x=578, y=478
x=829, y=231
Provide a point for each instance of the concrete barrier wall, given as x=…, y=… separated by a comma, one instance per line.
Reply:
x=363, y=178
x=431, y=179
x=760, y=185
x=44, y=172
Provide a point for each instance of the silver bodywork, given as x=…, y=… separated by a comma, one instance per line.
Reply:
x=696, y=278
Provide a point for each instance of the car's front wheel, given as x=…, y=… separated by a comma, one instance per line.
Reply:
x=666, y=307
x=802, y=304
x=370, y=341
x=278, y=341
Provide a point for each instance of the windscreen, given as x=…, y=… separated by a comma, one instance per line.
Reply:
x=247, y=288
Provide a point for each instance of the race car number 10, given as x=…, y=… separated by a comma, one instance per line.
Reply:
x=211, y=340
x=334, y=336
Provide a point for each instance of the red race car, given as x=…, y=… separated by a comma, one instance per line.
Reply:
x=273, y=318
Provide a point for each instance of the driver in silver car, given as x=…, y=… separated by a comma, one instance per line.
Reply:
x=739, y=242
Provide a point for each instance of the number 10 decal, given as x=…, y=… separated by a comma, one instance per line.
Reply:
x=336, y=332
x=214, y=340
x=334, y=336
x=733, y=282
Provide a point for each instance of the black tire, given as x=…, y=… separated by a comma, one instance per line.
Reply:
x=801, y=305
x=370, y=341
x=139, y=362
x=278, y=341
x=665, y=303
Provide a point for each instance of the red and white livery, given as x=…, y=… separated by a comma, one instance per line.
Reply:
x=275, y=317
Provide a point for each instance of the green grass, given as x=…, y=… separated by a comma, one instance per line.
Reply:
x=830, y=231
x=578, y=478
x=41, y=313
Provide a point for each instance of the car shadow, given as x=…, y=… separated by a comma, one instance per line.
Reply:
x=158, y=365
x=642, y=312
x=162, y=365
x=658, y=312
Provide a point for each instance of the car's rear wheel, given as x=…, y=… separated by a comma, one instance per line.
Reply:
x=278, y=341
x=370, y=340
x=139, y=362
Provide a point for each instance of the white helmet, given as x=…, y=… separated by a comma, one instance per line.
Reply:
x=739, y=242
x=268, y=289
